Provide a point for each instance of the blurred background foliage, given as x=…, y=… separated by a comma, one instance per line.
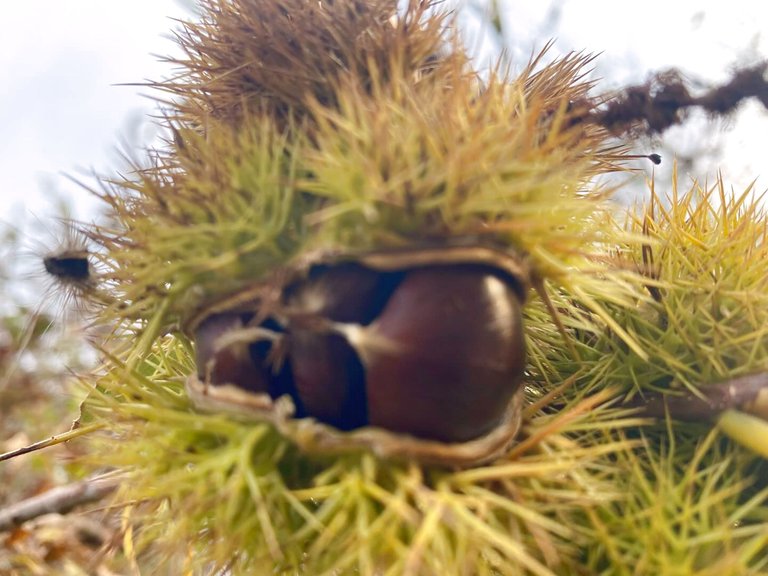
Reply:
x=43, y=345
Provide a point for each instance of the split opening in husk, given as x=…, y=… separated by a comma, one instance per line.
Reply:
x=419, y=347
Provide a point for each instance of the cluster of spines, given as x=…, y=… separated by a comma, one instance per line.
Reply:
x=341, y=126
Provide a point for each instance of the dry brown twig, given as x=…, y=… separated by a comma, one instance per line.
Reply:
x=59, y=500
x=660, y=103
x=744, y=392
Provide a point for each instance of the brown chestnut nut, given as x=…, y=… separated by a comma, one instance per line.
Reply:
x=223, y=360
x=445, y=355
x=414, y=354
x=328, y=377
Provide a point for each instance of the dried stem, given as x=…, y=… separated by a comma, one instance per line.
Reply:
x=711, y=401
x=658, y=104
x=58, y=500
x=52, y=441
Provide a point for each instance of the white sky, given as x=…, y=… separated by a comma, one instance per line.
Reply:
x=60, y=109
x=60, y=61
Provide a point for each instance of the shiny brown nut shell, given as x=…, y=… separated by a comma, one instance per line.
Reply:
x=327, y=374
x=231, y=364
x=459, y=354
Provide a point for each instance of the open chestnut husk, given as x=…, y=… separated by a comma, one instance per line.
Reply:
x=411, y=354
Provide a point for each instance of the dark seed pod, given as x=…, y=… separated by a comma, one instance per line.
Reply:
x=68, y=266
x=72, y=273
x=416, y=354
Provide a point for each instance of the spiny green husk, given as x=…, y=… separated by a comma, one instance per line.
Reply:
x=703, y=317
x=411, y=147
x=695, y=505
x=575, y=496
x=701, y=321
x=278, y=57
x=250, y=499
x=373, y=133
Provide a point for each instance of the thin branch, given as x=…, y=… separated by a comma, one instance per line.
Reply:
x=58, y=500
x=52, y=441
x=713, y=399
x=660, y=103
